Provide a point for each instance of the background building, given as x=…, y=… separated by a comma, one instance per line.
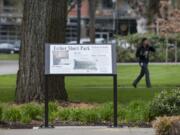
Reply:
x=111, y=18
x=10, y=20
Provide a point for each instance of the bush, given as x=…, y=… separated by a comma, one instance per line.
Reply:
x=106, y=112
x=76, y=114
x=92, y=116
x=167, y=125
x=53, y=111
x=53, y=107
x=63, y=114
x=128, y=54
x=137, y=111
x=31, y=111
x=11, y=114
x=0, y=112
x=166, y=103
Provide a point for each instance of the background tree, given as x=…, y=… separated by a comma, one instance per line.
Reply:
x=43, y=21
x=92, y=20
x=152, y=10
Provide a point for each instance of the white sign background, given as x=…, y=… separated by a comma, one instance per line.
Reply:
x=80, y=59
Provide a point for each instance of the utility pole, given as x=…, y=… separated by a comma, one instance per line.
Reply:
x=78, y=21
x=114, y=16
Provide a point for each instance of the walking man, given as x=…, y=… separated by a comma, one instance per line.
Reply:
x=142, y=54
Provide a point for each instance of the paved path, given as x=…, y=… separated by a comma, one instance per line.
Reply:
x=8, y=67
x=11, y=67
x=81, y=131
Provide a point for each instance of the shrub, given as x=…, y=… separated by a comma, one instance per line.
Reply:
x=11, y=114
x=76, y=114
x=53, y=116
x=137, y=111
x=128, y=54
x=106, y=111
x=53, y=107
x=0, y=112
x=121, y=113
x=63, y=114
x=31, y=111
x=166, y=103
x=92, y=116
x=167, y=125
x=53, y=111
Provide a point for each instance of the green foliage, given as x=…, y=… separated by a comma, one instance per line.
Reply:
x=76, y=114
x=53, y=111
x=63, y=114
x=31, y=111
x=11, y=114
x=1, y=112
x=137, y=111
x=92, y=116
x=166, y=103
x=53, y=107
x=135, y=39
x=106, y=112
x=128, y=54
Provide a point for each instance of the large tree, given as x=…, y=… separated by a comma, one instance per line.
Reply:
x=43, y=21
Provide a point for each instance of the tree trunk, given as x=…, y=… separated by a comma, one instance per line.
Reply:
x=92, y=20
x=153, y=10
x=43, y=21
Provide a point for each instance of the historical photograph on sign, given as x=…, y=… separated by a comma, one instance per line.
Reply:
x=79, y=64
x=60, y=57
x=81, y=59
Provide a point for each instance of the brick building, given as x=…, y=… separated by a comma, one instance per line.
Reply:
x=110, y=19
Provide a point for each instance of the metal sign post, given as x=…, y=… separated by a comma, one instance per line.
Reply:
x=46, y=102
x=115, y=100
x=83, y=66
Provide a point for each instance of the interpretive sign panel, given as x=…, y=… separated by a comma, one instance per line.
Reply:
x=80, y=59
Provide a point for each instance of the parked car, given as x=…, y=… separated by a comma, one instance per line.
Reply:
x=124, y=44
x=8, y=48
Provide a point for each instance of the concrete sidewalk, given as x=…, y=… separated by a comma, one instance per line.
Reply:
x=80, y=131
x=8, y=67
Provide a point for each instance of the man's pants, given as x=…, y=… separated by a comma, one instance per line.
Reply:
x=144, y=71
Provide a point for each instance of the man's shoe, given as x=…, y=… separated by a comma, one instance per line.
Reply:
x=134, y=85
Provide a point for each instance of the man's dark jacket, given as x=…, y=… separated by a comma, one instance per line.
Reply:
x=142, y=53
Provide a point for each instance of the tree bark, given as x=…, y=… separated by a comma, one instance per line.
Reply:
x=43, y=21
x=153, y=10
x=92, y=20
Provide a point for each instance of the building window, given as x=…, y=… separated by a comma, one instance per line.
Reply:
x=8, y=3
x=107, y=4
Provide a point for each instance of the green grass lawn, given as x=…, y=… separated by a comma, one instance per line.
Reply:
x=99, y=89
x=9, y=56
